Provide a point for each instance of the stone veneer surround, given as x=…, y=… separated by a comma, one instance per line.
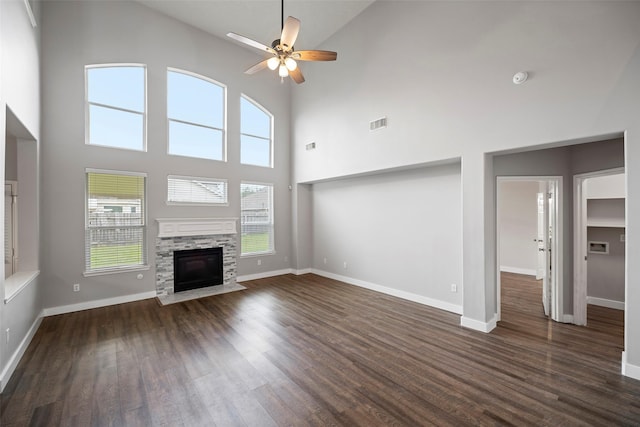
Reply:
x=167, y=244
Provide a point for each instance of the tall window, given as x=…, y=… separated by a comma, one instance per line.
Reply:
x=195, y=110
x=115, y=109
x=190, y=190
x=256, y=134
x=256, y=211
x=115, y=221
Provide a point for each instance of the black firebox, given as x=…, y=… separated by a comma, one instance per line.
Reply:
x=197, y=268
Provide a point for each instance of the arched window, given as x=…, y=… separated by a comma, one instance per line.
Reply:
x=196, y=116
x=256, y=134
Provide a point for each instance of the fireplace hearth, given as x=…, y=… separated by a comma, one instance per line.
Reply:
x=190, y=234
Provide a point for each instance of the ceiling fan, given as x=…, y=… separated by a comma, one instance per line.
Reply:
x=283, y=56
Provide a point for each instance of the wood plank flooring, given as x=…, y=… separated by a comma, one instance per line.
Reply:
x=308, y=350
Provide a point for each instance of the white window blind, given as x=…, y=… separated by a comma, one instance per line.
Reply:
x=115, y=221
x=256, y=141
x=256, y=210
x=192, y=190
x=196, y=116
x=116, y=106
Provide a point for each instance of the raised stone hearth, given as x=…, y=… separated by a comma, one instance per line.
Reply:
x=197, y=233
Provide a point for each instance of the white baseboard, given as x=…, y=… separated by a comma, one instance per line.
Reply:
x=247, y=277
x=567, y=318
x=52, y=311
x=453, y=308
x=302, y=271
x=629, y=370
x=609, y=303
x=10, y=367
x=477, y=325
x=518, y=270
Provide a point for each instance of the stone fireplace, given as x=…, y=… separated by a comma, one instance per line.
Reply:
x=180, y=234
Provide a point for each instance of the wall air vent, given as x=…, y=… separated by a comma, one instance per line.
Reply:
x=378, y=124
x=310, y=146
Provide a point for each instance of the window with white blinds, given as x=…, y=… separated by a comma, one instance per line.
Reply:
x=256, y=222
x=116, y=106
x=196, y=116
x=115, y=221
x=193, y=190
x=256, y=134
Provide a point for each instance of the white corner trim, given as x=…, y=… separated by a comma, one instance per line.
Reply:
x=302, y=271
x=477, y=325
x=518, y=270
x=629, y=370
x=609, y=303
x=256, y=276
x=567, y=318
x=62, y=309
x=10, y=367
x=442, y=305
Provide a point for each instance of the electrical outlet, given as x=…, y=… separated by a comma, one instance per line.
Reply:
x=259, y=262
x=345, y=264
x=76, y=287
x=325, y=260
x=7, y=336
x=286, y=258
x=454, y=287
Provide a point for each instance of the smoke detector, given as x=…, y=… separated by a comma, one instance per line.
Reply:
x=520, y=77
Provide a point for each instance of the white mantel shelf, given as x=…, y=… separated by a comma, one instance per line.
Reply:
x=179, y=227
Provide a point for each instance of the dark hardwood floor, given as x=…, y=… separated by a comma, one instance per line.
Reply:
x=312, y=351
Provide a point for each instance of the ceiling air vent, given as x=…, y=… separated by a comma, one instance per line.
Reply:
x=378, y=124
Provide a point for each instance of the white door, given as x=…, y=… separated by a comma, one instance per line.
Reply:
x=546, y=235
x=10, y=228
x=542, y=264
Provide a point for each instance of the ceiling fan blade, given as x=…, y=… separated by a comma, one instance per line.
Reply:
x=259, y=66
x=297, y=76
x=250, y=42
x=314, y=55
x=289, y=33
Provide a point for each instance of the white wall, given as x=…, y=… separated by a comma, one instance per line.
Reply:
x=398, y=230
x=518, y=226
x=605, y=272
x=11, y=158
x=19, y=107
x=79, y=33
x=606, y=187
x=449, y=94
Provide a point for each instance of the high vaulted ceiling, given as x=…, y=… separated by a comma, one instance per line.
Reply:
x=260, y=19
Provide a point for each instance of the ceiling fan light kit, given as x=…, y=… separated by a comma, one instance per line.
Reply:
x=284, y=56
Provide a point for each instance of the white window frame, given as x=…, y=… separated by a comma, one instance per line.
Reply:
x=271, y=133
x=121, y=269
x=224, y=114
x=87, y=117
x=196, y=203
x=272, y=216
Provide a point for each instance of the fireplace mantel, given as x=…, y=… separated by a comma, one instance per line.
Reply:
x=178, y=227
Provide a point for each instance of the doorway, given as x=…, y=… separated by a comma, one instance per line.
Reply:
x=607, y=214
x=529, y=235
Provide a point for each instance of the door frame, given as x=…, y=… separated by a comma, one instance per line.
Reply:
x=14, y=224
x=557, y=281
x=580, y=241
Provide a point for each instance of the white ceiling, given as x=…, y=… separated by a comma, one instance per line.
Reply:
x=260, y=19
